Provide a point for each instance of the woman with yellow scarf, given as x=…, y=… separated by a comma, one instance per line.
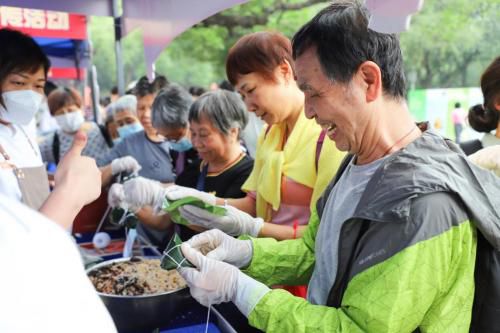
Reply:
x=294, y=162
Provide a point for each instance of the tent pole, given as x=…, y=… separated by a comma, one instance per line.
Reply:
x=120, y=73
x=94, y=92
x=92, y=81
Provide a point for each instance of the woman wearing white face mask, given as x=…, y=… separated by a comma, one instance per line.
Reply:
x=65, y=105
x=23, y=72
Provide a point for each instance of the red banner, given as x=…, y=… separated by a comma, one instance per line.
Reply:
x=66, y=73
x=44, y=23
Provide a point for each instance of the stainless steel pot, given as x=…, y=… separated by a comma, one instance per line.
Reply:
x=145, y=312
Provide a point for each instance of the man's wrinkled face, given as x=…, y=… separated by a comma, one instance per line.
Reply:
x=333, y=105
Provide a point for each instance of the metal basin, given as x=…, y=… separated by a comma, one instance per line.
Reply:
x=145, y=312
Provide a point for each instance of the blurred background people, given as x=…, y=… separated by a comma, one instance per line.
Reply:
x=114, y=94
x=213, y=86
x=65, y=105
x=458, y=118
x=196, y=91
x=110, y=124
x=145, y=92
x=226, y=85
x=45, y=123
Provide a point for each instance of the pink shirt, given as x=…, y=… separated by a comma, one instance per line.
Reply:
x=458, y=116
x=294, y=206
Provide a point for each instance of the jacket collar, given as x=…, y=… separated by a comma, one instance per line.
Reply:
x=427, y=165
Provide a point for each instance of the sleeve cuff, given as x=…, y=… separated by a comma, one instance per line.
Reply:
x=248, y=293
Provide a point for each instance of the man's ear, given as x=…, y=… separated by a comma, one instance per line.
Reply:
x=371, y=77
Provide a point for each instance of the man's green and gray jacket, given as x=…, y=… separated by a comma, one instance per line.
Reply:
x=405, y=260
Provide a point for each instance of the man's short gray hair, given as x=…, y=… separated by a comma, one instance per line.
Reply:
x=125, y=103
x=171, y=107
x=223, y=109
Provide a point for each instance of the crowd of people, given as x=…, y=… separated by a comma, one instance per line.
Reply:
x=342, y=214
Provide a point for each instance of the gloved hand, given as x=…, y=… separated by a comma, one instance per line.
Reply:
x=137, y=193
x=116, y=196
x=178, y=192
x=223, y=247
x=234, y=223
x=214, y=282
x=488, y=158
x=127, y=164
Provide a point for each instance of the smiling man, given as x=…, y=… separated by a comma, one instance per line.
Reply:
x=392, y=244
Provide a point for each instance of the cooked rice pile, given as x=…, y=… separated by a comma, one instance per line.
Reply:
x=135, y=277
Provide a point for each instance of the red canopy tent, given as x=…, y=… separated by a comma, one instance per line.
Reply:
x=61, y=35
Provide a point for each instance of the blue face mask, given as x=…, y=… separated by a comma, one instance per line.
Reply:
x=181, y=145
x=130, y=129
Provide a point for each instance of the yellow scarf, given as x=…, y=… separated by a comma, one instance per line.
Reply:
x=296, y=161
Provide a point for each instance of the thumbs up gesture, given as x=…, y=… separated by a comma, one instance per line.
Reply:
x=78, y=175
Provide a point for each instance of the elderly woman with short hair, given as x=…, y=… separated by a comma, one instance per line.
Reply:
x=216, y=121
x=170, y=119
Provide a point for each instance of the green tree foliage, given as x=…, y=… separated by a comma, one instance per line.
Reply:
x=449, y=43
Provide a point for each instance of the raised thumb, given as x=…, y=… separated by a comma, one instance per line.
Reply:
x=194, y=256
x=79, y=143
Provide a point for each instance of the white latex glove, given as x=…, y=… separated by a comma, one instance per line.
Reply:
x=137, y=193
x=214, y=282
x=127, y=164
x=116, y=196
x=178, y=192
x=223, y=247
x=234, y=223
x=488, y=158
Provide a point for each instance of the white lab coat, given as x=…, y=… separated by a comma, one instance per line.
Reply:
x=43, y=285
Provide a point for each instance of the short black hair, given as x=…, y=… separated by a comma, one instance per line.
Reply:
x=343, y=42
x=226, y=85
x=19, y=53
x=143, y=87
x=196, y=91
x=49, y=87
x=457, y=105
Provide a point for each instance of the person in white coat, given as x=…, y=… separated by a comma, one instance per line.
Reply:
x=23, y=73
x=43, y=284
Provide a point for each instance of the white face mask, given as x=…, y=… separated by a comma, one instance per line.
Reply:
x=70, y=122
x=20, y=106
